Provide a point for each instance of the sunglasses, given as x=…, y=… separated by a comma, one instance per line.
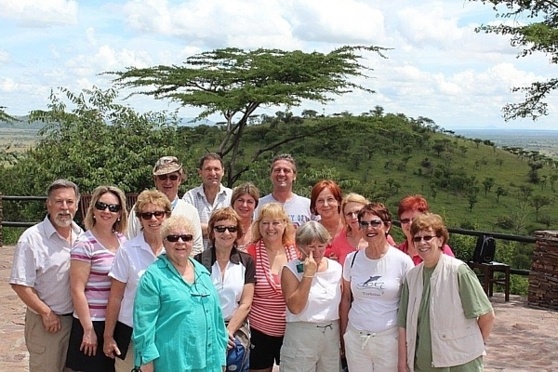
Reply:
x=148, y=215
x=426, y=238
x=185, y=238
x=405, y=221
x=373, y=223
x=222, y=229
x=164, y=177
x=112, y=207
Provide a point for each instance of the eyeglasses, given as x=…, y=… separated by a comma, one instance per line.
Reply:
x=426, y=238
x=112, y=207
x=148, y=215
x=164, y=177
x=221, y=229
x=373, y=223
x=185, y=238
x=405, y=221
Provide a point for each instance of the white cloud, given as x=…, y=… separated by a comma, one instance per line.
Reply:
x=39, y=13
x=4, y=56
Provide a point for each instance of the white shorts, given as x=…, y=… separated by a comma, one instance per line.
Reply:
x=310, y=347
x=371, y=351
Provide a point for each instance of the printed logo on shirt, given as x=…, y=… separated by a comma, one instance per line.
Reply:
x=372, y=283
x=298, y=219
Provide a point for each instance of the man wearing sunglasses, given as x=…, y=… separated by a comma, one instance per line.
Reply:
x=211, y=194
x=168, y=174
x=41, y=278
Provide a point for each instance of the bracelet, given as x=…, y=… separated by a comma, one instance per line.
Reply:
x=308, y=276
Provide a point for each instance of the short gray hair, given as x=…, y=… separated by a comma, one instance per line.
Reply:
x=310, y=232
x=63, y=184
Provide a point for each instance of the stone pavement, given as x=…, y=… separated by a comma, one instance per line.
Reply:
x=523, y=339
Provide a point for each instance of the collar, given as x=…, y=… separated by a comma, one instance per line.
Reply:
x=49, y=228
x=209, y=257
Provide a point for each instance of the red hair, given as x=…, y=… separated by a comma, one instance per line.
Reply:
x=415, y=202
x=319, y=187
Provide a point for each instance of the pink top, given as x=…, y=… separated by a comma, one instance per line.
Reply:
x=268, y=312
x=416, y=259
x=97, y=289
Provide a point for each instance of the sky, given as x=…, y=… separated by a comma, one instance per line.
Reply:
x=437, y=67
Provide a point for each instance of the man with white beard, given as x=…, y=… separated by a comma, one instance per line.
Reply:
x=41, y=278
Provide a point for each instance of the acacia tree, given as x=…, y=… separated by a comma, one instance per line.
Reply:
x=540, y=35
x=236, y=82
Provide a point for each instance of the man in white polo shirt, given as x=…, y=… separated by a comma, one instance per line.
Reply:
x=211, y=194
x=41, y=278
x=283, y=175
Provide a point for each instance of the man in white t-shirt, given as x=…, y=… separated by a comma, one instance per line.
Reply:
x=168, y=174
x=41, y=278
x=283, y=175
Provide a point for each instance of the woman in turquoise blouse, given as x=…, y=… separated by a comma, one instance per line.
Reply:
x=178, y=324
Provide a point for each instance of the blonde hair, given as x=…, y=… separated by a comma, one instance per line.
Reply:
x=176, y=222
x=274, y=210
x=121, y=224
x=352, y=198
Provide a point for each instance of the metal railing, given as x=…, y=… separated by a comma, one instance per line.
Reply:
x=495, y=235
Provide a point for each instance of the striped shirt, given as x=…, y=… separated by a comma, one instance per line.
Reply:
x=268, y=312
x=97, y=289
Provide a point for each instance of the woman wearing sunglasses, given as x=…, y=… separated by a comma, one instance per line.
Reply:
x=410, y=207
x=91, y=259
x=234, y=275
x=272, y=248
x=312, y=290
x=152, y=208
x=448, y=333
x=372, y=281
x=178, y=323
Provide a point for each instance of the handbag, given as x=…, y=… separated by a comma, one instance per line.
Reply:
x=122, y=336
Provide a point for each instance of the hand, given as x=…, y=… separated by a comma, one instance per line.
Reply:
x=231, y=341
x=310, y=266
x=147, y=367
x=51, y=322
x=110, y=348
x=333, y=256
x=89, y=342
x=402, y=366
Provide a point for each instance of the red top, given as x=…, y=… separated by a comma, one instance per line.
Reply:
x=268, y=312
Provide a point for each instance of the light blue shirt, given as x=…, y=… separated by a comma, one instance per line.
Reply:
x=177, y=325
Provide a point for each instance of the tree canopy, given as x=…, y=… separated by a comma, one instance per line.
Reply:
x=538, y=34
x=236, y=82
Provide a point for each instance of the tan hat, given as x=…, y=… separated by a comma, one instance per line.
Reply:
x=166, y=165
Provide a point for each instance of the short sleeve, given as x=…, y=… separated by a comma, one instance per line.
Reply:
x=250, y=274
x=24, y=269
x=473, y=299
x=403, y=306
x=120, y=267
x=82, y=250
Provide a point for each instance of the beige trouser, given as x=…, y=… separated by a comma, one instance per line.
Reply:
x=127, y=364
x=47, y=351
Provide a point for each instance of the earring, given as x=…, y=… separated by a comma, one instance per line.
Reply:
x=118, y=219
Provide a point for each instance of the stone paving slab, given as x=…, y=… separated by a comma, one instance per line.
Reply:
x=523, y=338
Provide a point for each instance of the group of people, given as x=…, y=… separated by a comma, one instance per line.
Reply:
x=225, y=280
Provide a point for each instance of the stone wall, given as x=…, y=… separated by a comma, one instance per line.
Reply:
x=543, y=278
